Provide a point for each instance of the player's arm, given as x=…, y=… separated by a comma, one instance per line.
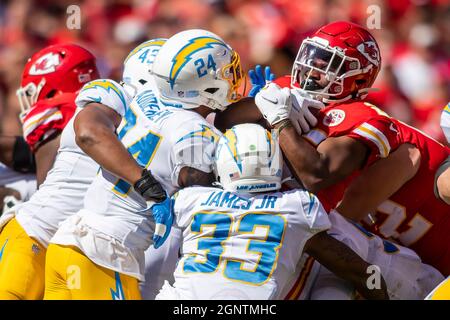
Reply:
x=345, y=263
x=193, y=177
x=243, y=111
x=333, y=160
x=379, y=181
x=45, y=157
x=95, y=129
x=95, y=133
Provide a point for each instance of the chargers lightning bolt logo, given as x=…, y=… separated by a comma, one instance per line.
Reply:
x=108, y=86
x=204, y=132
x=447, y=108
x=118, y=294
x=232, y=146
x=312, y=201
x=184, y=55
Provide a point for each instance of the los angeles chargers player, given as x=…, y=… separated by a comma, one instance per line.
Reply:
x=165, y=130
x=244, y=241
x=60, y=196
x=48, y=104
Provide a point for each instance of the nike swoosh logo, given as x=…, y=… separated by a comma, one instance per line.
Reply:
x=271, y=101
x=392, y=127
x=3, y=248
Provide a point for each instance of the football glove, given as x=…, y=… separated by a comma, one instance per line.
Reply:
x=258, y=80
x=274, y=103
x=301, y=117
x=163, y=215
x=149, y=188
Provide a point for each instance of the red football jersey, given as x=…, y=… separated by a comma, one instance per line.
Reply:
x=48, y=117
x=413, y=215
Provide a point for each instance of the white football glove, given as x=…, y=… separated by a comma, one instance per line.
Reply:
x=9, y=202
x=274, y=103
x=301, y=117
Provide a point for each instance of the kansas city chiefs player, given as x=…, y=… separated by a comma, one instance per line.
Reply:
x=51, y=80
x=358, y=159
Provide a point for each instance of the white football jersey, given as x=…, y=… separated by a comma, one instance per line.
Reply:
x=162, y=139
x=241, y=246
x=445, y=121
x=61, y=195
x=407, y=278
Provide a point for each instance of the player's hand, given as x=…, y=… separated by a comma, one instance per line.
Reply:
x=163, y=215
x=258, y=79
x=274, y=103
x=149, y=188
x=301, y=117
x=9, y=202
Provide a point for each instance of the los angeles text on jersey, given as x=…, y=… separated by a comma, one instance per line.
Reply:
x=226, y=309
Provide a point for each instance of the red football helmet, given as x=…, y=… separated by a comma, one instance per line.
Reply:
x=54, y=70
x=339, y=62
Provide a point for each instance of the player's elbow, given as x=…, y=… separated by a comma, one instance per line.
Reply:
x=414, y=159
x=85, y=132
x=312, y=184
x=316, y=179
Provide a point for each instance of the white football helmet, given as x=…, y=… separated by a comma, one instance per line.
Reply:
x=196, y=67
x=136, y=67
x=248, y=159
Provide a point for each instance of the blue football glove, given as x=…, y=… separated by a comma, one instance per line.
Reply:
x=163, y=215
x=258, y=80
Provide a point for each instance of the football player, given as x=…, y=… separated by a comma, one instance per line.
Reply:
x=17, y=168
x=50, y=81
x=165, y=129
x=244, y=241
x=337, y=66
x=30, y=226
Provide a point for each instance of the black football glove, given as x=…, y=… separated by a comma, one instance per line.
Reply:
x=149, y=188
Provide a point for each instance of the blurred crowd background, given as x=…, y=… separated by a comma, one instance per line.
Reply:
x=414, y=84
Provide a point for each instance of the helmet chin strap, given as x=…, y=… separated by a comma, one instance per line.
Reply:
x=328, y=101
x=360, y=94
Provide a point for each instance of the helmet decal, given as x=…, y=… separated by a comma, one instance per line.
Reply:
x=155, y=42
x=231, y=137
x=45, y=64
x=205, y=132
x=370, y=51
x=183, y=56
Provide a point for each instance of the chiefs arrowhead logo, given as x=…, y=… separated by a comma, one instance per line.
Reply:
x=45, y=64
x=334, y=117
x=370, y=51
